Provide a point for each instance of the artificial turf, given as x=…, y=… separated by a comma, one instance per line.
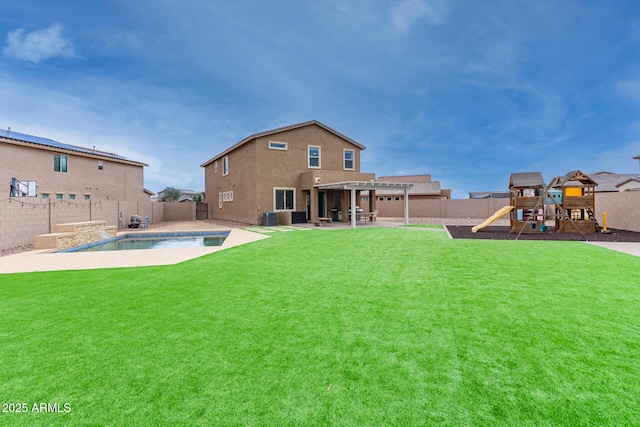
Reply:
x=346, y=327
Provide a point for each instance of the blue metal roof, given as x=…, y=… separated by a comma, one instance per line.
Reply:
x=55, y=144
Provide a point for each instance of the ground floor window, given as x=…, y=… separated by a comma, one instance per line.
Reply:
x=284, y=199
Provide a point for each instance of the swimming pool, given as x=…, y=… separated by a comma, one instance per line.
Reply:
x=155, y=241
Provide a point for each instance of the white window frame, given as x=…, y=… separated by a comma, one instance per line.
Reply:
x=353, y=159
x=215, y=167
x=275, y=145
x=219, y=200
x=275, y=207
x=227, y=196
x=100, y=165
x=309, y=147
x=225, y=166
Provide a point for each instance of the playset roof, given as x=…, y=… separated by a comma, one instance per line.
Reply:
x=526, y=180
x=573, y=179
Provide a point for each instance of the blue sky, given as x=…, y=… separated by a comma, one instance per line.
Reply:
x=466, y=91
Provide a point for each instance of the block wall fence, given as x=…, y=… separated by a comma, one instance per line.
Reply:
x=21, y=219
x=623, y=209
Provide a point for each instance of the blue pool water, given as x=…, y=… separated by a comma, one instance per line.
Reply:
x=155, y=241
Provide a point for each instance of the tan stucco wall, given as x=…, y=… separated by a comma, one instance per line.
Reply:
x=255, y=170
x=241, y=180
x=117, y=181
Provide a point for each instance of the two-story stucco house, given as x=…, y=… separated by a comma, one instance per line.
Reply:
x=302, y=172
x=32, y=166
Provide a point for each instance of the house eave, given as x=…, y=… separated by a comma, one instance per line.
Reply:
x=86, y=152
x=280, y=130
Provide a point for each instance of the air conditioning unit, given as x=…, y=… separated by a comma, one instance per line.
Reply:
x=317, y=179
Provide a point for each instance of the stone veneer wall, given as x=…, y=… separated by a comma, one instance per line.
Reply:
x=85, y=234
x=71, y=235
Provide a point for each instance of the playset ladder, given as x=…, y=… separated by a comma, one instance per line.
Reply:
x=593, y=218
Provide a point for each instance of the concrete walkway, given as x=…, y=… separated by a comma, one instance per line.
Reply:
x=627, y=248
x=45, y=260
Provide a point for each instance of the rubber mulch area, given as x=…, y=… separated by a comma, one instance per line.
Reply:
x=502, y=233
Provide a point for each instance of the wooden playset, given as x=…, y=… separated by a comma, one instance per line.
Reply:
x=527, y=196
x=569, y=200
x=577, y=212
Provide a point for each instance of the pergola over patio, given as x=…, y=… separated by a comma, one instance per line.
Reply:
x=371, y=186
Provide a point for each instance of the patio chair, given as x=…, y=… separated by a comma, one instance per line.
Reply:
x=373, y=215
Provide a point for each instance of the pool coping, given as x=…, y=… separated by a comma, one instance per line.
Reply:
x=149, y=235
x=48, y=260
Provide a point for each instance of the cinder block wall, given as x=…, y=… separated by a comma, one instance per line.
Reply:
x=21, y=219
x=623, y=210
x=441, y=208
x=20, y=222
x=180, y=211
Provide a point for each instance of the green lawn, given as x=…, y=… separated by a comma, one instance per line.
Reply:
x=373, y=327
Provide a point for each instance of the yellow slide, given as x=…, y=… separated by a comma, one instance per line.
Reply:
x=492, y=218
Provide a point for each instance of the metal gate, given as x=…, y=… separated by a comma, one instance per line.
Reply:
x=202, y=211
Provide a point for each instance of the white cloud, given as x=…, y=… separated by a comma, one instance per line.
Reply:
x=407, y=13
x=630, y=88
x=39, y=45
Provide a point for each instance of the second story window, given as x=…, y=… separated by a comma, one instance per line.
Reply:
x=349, y=156
x=100, y=165
x=314, y=156
x=225, y=165
x=59, y=163
x=273, y=145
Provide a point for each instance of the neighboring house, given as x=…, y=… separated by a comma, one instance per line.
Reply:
x=614, y=182
x=44, y=168
x=186, y=195
x=388, y=199
x=631, y=184
x=301, y=172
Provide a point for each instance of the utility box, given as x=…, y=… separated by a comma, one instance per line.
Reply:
x=298, y=217
x=269, y=219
